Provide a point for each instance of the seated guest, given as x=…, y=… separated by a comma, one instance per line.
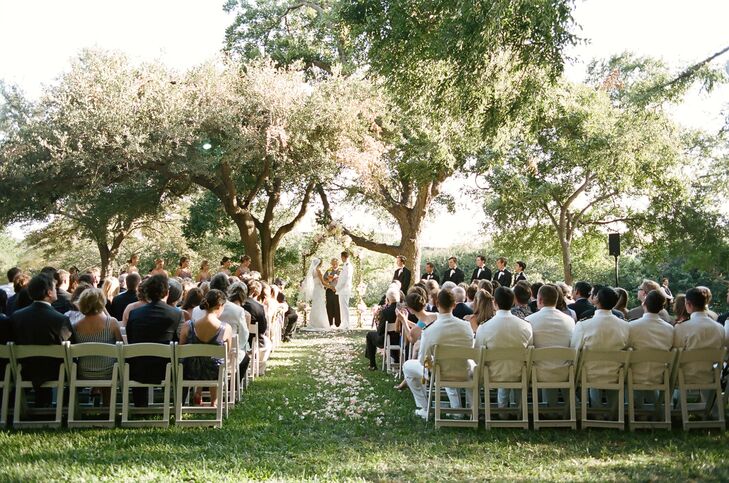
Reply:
x=110, y=287
x=650, y=332
x=237, y=295
x=483, y=310
x=562, y=304
x=481, y=272
x=713, y=315
x=432, y=305
x=566, y=292
x=41, y=324
x=504, y=331
x=96, y=326
x=533, y=300
x=446, y=330
x=154, y=322
x=208, y=329
x=522, y=295
x=193, y=299
x=75, y=314
x=486, y=285
x=643, y=290
x=471, y=294
x=622, y=305
x=679, y=308
x=388, y=315
x=461, y=309
x=604, y=332
x=581, y=304
x=5, y=328
x=258, y=317
x=551, y=328
x=141, y=302
x=8, y=287
x=122, y=300
x=19, y=282
x=63, y=298
x=593, y=300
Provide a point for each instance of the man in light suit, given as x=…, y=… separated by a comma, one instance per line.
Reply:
x=502, y=275
x=402, y=274
x=604, y=332
x=550, y=328
x=504, y=331
x=446, y=330
x=344, y=289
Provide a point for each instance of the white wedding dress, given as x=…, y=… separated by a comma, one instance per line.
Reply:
x=314, y=292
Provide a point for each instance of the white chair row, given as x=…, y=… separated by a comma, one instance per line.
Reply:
x=582, y=369
x=174, y=382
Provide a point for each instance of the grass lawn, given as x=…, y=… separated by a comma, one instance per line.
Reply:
x=319, y=414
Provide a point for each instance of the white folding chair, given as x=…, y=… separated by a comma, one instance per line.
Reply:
x=554, y=356
x=444, y=356
x=6, y=384
x=663, y=362
x=22, y=352
x=520, y=355
x=92, y=349
x=712, y=360
x=233, y=376
x=387, y=363
x=132, y=351
x=620, y=360
x=220, y=383
x=253, y=365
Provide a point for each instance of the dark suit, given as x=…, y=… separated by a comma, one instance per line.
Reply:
x=258, y=317
x=430, y=276
x=402, y=275
x=481, y=274
x=376, y=338
x=40, y=324
x=155, y=322
x=580, y=306
x=461, y=310
x=503, y=277
x=120, y=303
x=518, y=278
x=457, y=277
x=63, y=302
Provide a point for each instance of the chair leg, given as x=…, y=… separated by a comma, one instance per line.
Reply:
x=438, y=414
x=535, y=399
x=72, y=396
x=125, y=395
x=683, y=399
x=6, y=398
x=112, y=398
x=167, y=383
x=583, y=401
x=631, y=402
x=59, y=394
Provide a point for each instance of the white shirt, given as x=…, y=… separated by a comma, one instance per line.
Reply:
x=603, y=332
x=235, y=316
x=650, y=332
x=699, y=332
x=344, y=283
x=551, y=328
x=504, y=331
x=446, y=330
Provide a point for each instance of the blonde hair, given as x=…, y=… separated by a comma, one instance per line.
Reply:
x=110, y=287
x=92, y=301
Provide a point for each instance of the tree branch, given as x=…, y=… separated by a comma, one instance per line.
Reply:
x=303, y=208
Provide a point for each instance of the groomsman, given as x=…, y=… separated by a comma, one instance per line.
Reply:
x=430, y=273
x=519, y=272
x=453, y=273
x=481, y=272
x=502, y=275
x=402, y=274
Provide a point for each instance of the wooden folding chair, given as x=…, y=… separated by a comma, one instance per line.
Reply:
x=92, y=349
x=387, y=363
x=220, y=383
x=522, y=356
x=665, y=361
x=6, y=384
x=145, y=349
x=712, y=360
x=452, y=355
x=22, y=352
x=620, y=358
x=568, y=357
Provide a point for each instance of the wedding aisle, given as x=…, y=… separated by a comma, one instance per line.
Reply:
x=319, y=414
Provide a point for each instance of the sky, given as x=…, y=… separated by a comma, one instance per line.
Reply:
x=39, y=38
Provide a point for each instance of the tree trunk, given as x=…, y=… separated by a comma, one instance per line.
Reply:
x=566, y=259
x=105, y=255
x=249, y=238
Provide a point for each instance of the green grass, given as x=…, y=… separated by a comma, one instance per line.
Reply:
x=298, y=423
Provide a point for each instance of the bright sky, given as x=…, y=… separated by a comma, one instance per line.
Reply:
x=38, y=38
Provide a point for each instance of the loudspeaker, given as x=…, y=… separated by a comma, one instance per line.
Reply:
x=614, y=244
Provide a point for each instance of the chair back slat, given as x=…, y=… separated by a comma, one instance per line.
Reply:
x=253, y=329
x=619, y=356
x=446, y=352
x=51, y=351
x=147, y=349
x=652, y=355
x=93, y=349
x=5, y=350
x=714, y=356
x=520, y=354
x=566, y=354
x=200, y=350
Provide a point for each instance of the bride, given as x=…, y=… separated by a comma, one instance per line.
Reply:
x=314, y=293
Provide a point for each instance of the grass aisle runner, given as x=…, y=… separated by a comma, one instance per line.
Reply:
x=319, y=414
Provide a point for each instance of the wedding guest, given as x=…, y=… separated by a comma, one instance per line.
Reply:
x=566, y=292
x=562, y=304
x=461, y=309
x=519, y=275
x=582, y=291
x=63, y=298
x=183, y=269
x=644, y=288
x=453, y=273
x=483, y=310
x=593, y=300
x=502, y=274
x=110, y=288
x=208, y=329
x=481, y=272
x=74, y=315
x=121, y=301
x=712, y=315
x=486, y=285
x=258, y=317
x=41, y=324
x=237, y=295
x=446, y=330
x=8, y=287
x=72, y=282
x=376, y=338
x=402, y=273
x=471, y=294
x=159, y=268
x=19, y=282
x=154, y=322
x=535, y=293
x=622, y=305
x=429, y=273
x=203, y=274
x=96, y=326
x=522, y=295
x=679, y=308
x=193, y=299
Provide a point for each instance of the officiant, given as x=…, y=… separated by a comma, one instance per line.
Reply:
x=334, y=315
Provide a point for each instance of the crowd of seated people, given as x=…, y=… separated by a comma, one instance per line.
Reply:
x=55, y=306
x=495, y=315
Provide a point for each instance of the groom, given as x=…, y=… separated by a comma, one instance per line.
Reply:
x=344, y=289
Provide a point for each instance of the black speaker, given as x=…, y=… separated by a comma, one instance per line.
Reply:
x=614, y=244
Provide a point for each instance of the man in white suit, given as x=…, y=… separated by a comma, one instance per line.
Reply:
x=344, y=289
x=446, y=330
